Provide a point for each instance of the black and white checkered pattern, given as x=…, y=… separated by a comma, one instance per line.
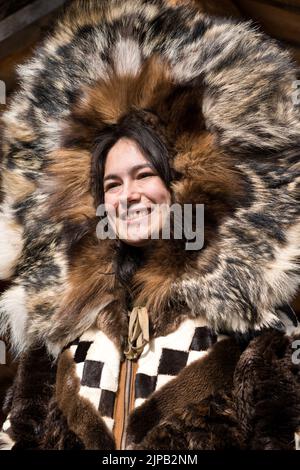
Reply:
x=98, y=363
x=97, y=366
x=164, y=357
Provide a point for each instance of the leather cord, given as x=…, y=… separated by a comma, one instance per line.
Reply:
x=138, y=332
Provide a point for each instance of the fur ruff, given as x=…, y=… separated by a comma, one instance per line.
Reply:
x=221, y=94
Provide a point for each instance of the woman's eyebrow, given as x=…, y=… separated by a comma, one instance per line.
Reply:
x=134, y=168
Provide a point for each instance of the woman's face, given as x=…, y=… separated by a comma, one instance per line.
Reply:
x=136, y=198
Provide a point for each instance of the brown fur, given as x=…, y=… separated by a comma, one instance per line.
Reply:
x=109, y=99
x=57, y=434
x=208, y=425
x=30, y=397
x=86, y=294
x=18, y=186
x=68, y=186
x=267, y=392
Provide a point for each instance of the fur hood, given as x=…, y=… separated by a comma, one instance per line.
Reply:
x=221, y=94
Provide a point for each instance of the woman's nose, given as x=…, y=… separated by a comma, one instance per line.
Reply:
x=129, y=194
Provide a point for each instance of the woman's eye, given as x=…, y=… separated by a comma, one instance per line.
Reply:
x=144, y=175
x=111, y=186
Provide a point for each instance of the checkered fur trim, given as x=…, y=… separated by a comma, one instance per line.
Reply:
x=97, y=366
x=164, y=357
x=98, y=363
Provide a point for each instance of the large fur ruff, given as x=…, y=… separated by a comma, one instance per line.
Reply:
x=222, y=94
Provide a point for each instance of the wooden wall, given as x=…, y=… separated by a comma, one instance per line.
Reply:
x=279, y=18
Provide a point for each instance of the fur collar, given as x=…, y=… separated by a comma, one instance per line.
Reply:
x=221, y=94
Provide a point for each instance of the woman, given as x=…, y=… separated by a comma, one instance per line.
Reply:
x=131, y=172
x=207, y=105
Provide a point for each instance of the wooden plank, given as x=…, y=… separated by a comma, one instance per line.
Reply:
x=8, y=7
x=18, y=48
x=26, y=16
x=21, y=44
x=8, y=66
x=278, y=22
x=224, y=8
x=290, y=5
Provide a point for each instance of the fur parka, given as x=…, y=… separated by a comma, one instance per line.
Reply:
x=221, y=94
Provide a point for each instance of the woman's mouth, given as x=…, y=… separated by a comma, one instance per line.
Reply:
x=137, y=215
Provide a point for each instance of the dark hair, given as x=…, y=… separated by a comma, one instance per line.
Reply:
x=134, y=126
x=140, y=127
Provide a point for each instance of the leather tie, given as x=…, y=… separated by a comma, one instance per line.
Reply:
x=138, y=332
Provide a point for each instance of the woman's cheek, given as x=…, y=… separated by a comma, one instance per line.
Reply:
x=162, y=197
x=156, y=193
x=110, y=199
x=111, y=206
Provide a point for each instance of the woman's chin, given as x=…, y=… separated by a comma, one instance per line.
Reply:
x=133, y=238
x=137, y=243
x=141, y=236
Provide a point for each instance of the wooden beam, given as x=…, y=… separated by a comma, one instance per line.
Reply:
x=8, y=7
x=28, y=15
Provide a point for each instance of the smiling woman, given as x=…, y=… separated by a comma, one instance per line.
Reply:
x=134, y=194
x=132, y=178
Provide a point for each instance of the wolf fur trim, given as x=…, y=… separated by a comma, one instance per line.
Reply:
x=221, y=92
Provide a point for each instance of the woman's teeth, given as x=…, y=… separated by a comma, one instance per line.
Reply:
x=138, y=213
